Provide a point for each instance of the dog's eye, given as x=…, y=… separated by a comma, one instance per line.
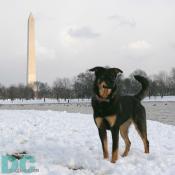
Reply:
x=101, y=78
x=111, y=79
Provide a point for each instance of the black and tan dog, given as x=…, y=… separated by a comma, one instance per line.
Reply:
x=116, y=113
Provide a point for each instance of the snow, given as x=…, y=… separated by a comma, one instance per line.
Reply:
x=41, y=101
x=68, y=144
x=62, y=101
x=159, y=98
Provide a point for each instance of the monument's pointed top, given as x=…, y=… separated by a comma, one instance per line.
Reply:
x=31, y=14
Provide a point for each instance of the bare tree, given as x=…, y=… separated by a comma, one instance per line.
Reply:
x=162, y=83
x=172, y=82
x=83, y=84
x=62, y=88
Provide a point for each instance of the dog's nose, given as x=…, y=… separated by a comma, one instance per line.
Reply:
x=107, y=87
x=104, y=86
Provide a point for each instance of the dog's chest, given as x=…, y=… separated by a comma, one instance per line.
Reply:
x=106, y=109
x=110, y=120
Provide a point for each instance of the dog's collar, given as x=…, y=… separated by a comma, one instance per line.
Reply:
x=102, y=99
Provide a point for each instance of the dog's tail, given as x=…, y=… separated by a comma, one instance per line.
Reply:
x=145, y=84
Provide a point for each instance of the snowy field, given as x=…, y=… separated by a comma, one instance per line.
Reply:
x=68, y=144
x=63, y=101
x=162, y=111
x=160, y=99
x=42, y=101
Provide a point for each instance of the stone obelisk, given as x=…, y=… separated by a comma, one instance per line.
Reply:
x=31, y=59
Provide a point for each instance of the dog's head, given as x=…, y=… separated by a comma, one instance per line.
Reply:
x=105, y=80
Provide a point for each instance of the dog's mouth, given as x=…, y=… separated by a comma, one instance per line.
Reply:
x=104, y=90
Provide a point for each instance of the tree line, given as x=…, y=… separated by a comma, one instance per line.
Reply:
x=161, y=84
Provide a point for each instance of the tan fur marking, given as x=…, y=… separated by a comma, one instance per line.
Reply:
x=124, y=133
x=146, y=147
x=104, y=92
x=98, y=121
x=111, y=120
x=114, y=156
x=106, y=155
x=144, y=138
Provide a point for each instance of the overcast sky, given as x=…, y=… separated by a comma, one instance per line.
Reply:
x=75, y=35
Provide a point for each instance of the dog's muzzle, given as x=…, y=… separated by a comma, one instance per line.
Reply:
x=107, y=87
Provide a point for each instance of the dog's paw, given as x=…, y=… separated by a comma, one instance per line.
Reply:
x=106, y=157
x=124, y=154
x=113, y=161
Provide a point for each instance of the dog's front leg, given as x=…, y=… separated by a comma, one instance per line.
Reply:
x=115, y=140
x=103, y=137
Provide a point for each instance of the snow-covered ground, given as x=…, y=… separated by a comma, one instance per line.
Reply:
x=53, y=101
x=159, y=98
x=42, y=101
x=68, y=144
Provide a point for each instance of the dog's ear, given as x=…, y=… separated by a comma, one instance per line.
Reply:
x=115, y=71
x=97, y=70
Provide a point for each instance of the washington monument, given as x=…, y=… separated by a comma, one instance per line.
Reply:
x=31, y=60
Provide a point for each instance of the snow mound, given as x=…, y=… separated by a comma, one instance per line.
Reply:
x=68, y=144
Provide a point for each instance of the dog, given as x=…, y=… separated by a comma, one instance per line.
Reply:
x=116, y=113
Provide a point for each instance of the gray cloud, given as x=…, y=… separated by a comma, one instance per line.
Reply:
x=172, y=45
x=122, y=20
x=83, y=32
x=149, y=46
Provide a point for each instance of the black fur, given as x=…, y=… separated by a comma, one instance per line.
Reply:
x=124, y=110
